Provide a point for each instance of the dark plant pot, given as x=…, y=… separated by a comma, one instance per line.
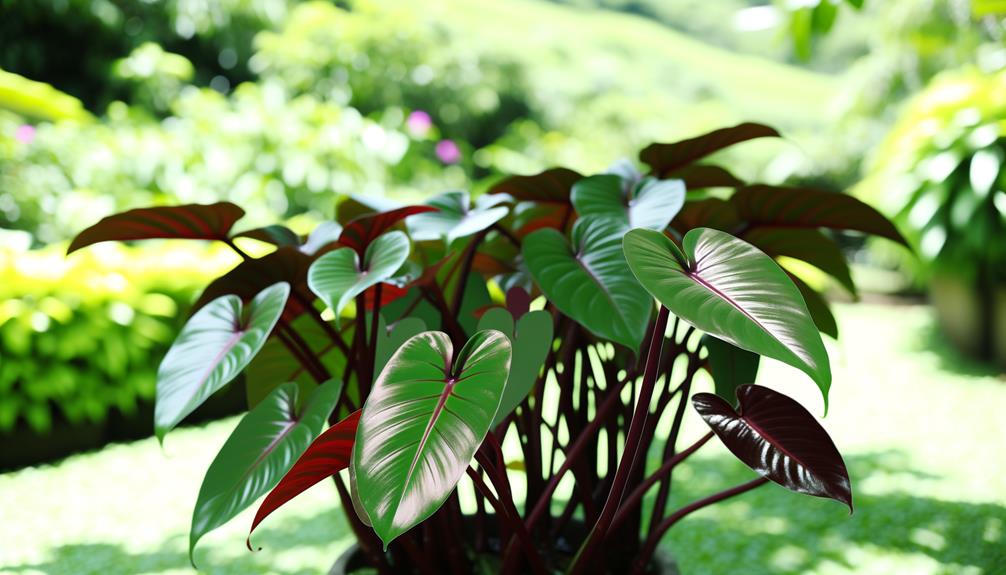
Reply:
x=353, y=559
x=976, y=326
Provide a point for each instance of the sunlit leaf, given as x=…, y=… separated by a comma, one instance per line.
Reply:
x=189, y=221
x=363, y=230
x=650, y=203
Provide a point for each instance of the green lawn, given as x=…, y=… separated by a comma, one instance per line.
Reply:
x=920, y=430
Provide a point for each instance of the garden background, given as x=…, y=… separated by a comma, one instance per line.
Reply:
x=289, y=107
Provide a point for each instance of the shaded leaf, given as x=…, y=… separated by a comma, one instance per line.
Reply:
x=351, y=207
x=698, y=176
x=276, y=235
x=817, y=306
x=807, y=245
x=589, y=281
x=189, y=221
x=706, y=213
x=730, y=366
x=530, y=343
x=250, y=277
x=780, y=440
x=323, y=236
x=363, y=230
x=457, y=217
x=426, y=416
x=211, y=350
x=389, y=340
x=327, y=455
x=729, y=289
x=553, y=186
x=650, y=203
x=665, y=158
x=259, y=451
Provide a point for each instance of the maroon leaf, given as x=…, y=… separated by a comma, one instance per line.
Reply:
x=666, y=158
x=518, y=302
x=286, y=264
x=276, y=235
x=326, y=456
x=779, y=439
x=705, y=176
x=708, y=213
x=552, y=186
x=352, y=207
x=809, y=245
x=364, y=229
x=190, y=222
x=774, y=206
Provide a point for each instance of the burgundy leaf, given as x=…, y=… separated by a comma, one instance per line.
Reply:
x=286, y=264
x=366, y=228
x=276, y=235
x=708, y=213
x=326, y=456
x=808, y=245
x=518, y=302
x=552, y=186
x=705, y=176
x=779, y=439
x=664, y=159
x=190, y=222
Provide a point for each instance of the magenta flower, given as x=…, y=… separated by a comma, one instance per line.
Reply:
x=25, y=133
x=448, y=152
x=419, y=123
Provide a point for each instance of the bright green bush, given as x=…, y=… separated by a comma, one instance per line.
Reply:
x=82, y=336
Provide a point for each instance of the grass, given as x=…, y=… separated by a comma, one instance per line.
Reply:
x=919, y=429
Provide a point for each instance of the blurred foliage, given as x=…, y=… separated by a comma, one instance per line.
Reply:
x=940, y=171
x=82, y=336
x=38, y=100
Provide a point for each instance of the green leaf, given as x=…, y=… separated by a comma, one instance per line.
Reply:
x=650, y=203
x=259, y=452
x=729, y=289
x=457, y=217
x=530, y=344
x=730, y=366
x=339, y=276
x=810, y=246
x=426, y=416
x=589, y=281
x=389, y=340
x=211, y=350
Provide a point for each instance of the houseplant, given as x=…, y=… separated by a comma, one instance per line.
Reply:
x=619, y=288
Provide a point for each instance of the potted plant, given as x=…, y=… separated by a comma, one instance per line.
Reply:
x=539, y=332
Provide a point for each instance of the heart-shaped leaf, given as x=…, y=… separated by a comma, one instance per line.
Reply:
x=426, y=416
x=189, y=222
x=259, y=451
x=363, y=230
x=817, y=306
x=327, y=455
x=552, y=186
x=650, y=203
x=780, y=440
x=730, y=366
x=321, y=237
x=810, y=246
x=729, y=289
x=457, y=217
x=212, y=349
x=808, y=208
x=250, y=277
x=389, y=340
x=664, y=159
x=589, y=280
x=339, y=276
x=530, y=343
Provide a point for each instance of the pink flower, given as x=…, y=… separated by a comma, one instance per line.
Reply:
x=448, y=152
x=25, y=133
x=419, y=123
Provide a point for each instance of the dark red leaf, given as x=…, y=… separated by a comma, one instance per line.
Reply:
x=366, y=228
x=552, y=185
x=705, y=176
x=352, y=207
x=518, y=302
x=779, y=439
x=665, y=158
x=286, y=264
x=389, y=293
x=189, y=222
x=774, y=206
x=708, y=213
x=808, y=245
x=326, y=456
x=276, y=235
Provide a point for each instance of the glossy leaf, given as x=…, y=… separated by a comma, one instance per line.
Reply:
x=339, y=276
x=810, y=246
x=363, y=230
x=189, y=221
x=730, y=366
x=650, y=203
x=808, y=208
x=276, y=235
x=457, y=217
x=589, y=280
x=248, y=278
x=426, y=416
x=817, y=306
x=327, y=455
x=211, y=350
x=731, y=290
x=553, y=186
x=259, y=451
x=779, y=439
x=530, y=342
x=665, y=158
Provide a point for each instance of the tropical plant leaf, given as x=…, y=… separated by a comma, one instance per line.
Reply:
x=426, y=416
x=327, y=455
x=650, y=203
x=211, y=350
x=276, y=235
x=588, y=280
x=363, y=230
x=457, y=217
x=729, y=289
x=698, y=176
x=552, y=186
x=779, y=439
x=339, y=276
x=730, y=366
x=773, y=206
x=666, y=158
x=530, y=342
x=817, y=306
x=351, y=207
x=325, y=235
x=807, y=245
x=248, y=278
x=259, y=451
x=389, y=340
x=706, y=213
x=189, y=222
